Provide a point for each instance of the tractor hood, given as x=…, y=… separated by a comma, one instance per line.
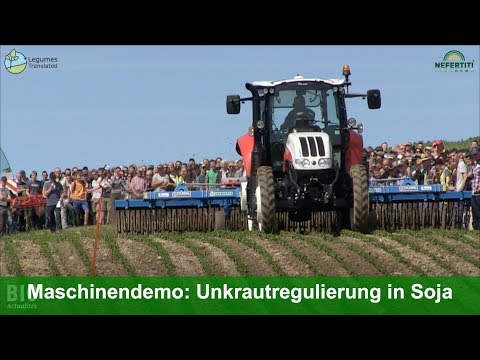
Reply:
x=310, y=150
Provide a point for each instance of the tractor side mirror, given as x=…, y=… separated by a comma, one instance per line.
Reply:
x=374, y=99
x=233, y=104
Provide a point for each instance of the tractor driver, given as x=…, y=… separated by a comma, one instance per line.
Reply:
x=299, y=112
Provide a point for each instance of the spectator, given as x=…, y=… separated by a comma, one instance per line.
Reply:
x=408, y=147
x=189, y=175
x=19, y=218
x=474, y=144
x=4, y=204
x=438, y=149
x=78, y=193
x=161, y=180
x=231, y=169
x=117, y=182
x=403, y=169
x=96, y=192
x=437, y=171
x=213, y=175
x=180, y=175
x=420, y=147
x=44, y=178
x=106, y=197
x=446, y=178
x=128, y=181
x=475, y=156
x=420, y=175
x=149, y=178
x=34, y=187
x=462, y=174
x=64, y=197
x=171, y=168
x=223, y=170
x=384, y=146
x=52, y=190
x=240, y=173
x=201, y=176
x=138, y=185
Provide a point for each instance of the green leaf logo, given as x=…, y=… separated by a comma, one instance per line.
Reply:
x=12, y=63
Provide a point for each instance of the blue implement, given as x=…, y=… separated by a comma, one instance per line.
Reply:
x=408, y=191
x=183, y=197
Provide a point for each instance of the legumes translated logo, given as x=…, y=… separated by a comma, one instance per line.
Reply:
x=454, y=61
x=15, y=62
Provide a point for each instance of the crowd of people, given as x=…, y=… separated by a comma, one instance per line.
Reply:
x=423, y=164
x=75, y=195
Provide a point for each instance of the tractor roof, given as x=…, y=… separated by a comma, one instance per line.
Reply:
x=297, y=79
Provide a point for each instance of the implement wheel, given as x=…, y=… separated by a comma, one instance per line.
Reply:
x=360, y=211
x=265, y=194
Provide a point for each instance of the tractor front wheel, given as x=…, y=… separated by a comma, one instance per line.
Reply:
x=265, y=194
x=360, y=210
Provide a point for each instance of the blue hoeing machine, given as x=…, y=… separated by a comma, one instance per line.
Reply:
x=182, y=209
x=412, y=206
x=404, y=206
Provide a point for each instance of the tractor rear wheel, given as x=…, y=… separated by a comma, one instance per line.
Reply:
x=359, y=213
x=265, y=194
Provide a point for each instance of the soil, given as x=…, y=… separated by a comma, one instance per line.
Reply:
x=458, y=264
x=427, y=264
x=185, y=262
x=106, y=264
x=144, y=259
x=254, y=261
x=3, y=261
x=324, y=264
x=31, y=259
x=432, y=259
x=292, y=265
x=67, y=259
x=359, y=265
x=221, y=264
x=385, y=259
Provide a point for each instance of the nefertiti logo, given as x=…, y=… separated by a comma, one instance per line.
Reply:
x=454, y=61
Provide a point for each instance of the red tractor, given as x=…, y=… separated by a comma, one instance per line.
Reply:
x=302, y=154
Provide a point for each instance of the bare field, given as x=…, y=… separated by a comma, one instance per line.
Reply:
x=405, y=253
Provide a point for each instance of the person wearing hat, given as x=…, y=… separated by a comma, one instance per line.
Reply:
x=420, y=174
x=438, y=149
x=475, y=157
x=437, y=171
x=201, y=176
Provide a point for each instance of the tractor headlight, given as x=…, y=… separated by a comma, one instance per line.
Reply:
x=260, y=124
x=325, y=162
x=302, y=162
